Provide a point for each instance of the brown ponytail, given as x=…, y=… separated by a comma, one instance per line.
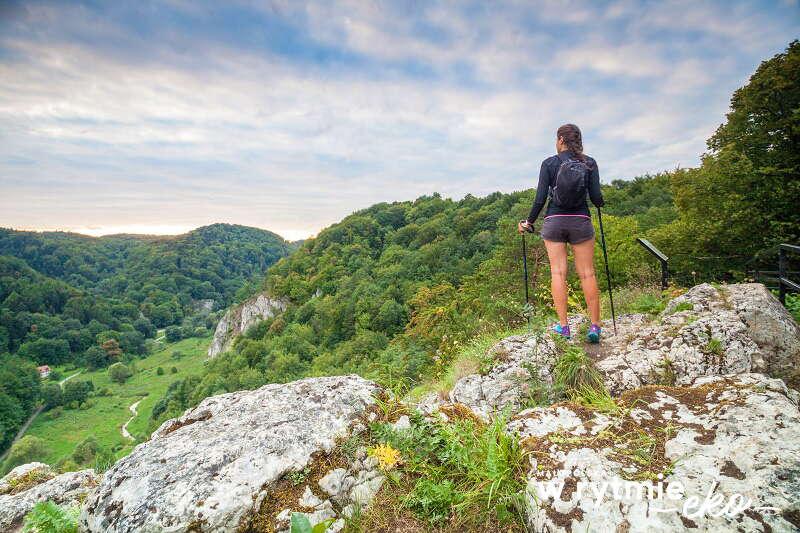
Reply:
x=571, y=135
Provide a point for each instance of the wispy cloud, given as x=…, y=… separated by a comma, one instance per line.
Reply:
x=289, y=115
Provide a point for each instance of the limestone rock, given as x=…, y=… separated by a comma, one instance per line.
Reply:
x=707, y=331
x=520, y=362
x=214, y=466
x=237, y=319
x=29, y=484
x=736, y=438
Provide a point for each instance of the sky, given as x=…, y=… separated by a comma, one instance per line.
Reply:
x=162, y=116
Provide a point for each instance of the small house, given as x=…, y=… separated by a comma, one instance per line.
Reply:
x=44, y=371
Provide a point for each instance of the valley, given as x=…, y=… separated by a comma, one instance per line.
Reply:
x=106, y=414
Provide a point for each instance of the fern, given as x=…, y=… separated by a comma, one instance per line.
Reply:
x=47, y=517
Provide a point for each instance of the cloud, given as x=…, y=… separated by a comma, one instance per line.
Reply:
x=290, y=115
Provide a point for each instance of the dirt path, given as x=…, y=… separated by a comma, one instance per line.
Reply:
x=30, y=420
x=69, y=378
x=132, y=409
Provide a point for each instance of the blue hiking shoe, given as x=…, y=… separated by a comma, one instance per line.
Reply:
x=594, y=334
x=562, y=330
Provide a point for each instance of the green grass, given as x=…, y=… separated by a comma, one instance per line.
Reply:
x=461, y=474
x=472, y=359
x=105, y=418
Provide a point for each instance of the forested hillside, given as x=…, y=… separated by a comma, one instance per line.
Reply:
x=68, y=298
x=393, y=291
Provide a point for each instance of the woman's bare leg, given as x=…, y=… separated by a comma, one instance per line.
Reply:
x=557, y=253
x=584, y=265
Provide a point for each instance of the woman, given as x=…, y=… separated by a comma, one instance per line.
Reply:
x=565, y=179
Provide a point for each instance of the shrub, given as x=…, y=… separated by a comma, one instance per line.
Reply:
x=173, y=333
x=77, y=392
x=119, y=373
x=159, y=371
x=173, y=370
x=52, y=395
x=47, y=517
x=793, y=305
x=26, y=450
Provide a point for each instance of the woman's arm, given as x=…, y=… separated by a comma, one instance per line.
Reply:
x=542, y=190
x=595, y=194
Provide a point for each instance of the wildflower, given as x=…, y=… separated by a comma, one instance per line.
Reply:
x=387, y=456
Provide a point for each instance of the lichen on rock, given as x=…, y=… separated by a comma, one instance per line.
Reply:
x=26, y=485
x=212, y=468
x=728, y=436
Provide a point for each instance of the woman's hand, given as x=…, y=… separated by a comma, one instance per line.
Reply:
x=524, y=226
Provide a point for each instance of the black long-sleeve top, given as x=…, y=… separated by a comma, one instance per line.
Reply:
x=547, y=176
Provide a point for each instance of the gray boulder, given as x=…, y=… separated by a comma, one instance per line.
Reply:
x=237, y=319
x=519, y=364
x=222, y=465
x=29, y=484
x=705, y=332
x=725, y=453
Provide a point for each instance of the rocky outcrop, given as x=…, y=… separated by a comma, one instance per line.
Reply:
x=225, y=463
x=707, y=331
x=521, y=363
x=720, y=455
x=237, y=319
x=29, y=484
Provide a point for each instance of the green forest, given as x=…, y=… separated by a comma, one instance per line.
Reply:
x=394, y=291
x=92, y=302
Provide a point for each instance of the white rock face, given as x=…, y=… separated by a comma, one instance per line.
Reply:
x=520, y=361
x=705, y=332
x=736, y=436
x=237, y=319
x=212, y=467
x=16, y=500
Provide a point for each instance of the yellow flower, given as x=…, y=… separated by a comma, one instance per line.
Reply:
x=387, y=456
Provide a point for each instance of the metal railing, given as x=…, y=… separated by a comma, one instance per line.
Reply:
x=663, y=259
x=783, y=274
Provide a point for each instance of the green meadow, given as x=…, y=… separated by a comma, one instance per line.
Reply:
x=105, y=418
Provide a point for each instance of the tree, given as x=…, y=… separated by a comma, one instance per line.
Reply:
x=52, y=395
x=77, y=391
x=173, y=333
x=95, y=357
x=112, y=349
x=27, y=450
x=743, y=199
x=46, y=351
x=119, y=373
x=11, y=417
x=145, y=327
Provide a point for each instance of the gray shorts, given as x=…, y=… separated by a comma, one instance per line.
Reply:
x=573, y=229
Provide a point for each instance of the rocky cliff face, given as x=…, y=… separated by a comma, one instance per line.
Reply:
x=237, y=319
x=707, y=441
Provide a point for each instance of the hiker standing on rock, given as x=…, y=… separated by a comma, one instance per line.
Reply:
x=565, y=179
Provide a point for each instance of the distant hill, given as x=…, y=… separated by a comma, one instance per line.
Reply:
x=70, y=298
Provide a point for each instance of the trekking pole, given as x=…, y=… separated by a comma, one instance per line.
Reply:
x=608, y=271
x=525, y=279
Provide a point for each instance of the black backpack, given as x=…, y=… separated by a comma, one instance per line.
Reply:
x=571, y=183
